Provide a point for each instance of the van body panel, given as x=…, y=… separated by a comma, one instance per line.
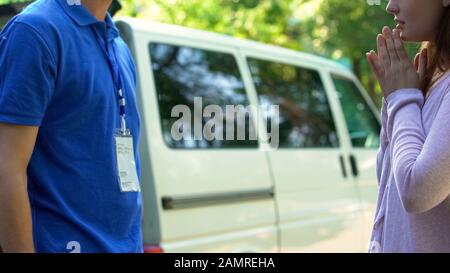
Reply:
x=187, y=173
x=257, y=199
x=365, y=157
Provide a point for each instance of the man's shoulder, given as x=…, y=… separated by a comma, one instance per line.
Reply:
x=44, y=16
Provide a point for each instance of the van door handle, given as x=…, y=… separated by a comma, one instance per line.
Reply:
x=354, y=165
x=342, y=162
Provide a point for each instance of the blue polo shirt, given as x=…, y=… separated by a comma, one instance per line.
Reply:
x=55, y=74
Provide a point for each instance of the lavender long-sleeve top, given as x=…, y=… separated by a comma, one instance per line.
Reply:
x=413, y=170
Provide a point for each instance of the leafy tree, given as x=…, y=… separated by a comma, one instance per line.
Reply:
x=350, y=29
x=338, y=29
x=3, y=2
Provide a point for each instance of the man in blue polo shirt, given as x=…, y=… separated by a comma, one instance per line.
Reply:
x=69, y=131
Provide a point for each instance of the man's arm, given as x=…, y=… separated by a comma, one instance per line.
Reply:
x=16, y=146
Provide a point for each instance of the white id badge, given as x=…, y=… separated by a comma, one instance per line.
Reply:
x=126, y=165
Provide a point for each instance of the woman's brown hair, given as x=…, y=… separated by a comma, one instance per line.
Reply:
x=438, y=52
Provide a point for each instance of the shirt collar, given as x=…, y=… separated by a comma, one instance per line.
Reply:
x=77, y=12
x=83, y=17
x=112, y=30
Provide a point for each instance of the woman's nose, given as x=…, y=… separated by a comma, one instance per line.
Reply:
x=392, y=7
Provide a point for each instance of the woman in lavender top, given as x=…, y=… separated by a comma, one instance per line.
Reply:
x=413, y=162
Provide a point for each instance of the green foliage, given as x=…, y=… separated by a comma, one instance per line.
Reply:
x=3, y=2
x=339, y=29
x=266, y=21
x=351, y=28
x=133, y=8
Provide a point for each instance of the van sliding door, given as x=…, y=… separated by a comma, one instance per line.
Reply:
x=316, y=200
x=214, y=189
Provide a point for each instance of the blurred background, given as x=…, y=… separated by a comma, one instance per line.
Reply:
x=308, y=196
x=337, y=29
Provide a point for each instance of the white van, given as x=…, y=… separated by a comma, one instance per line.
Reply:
x=315, y=193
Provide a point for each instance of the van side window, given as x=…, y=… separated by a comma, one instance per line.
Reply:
x=363, y=127
x=196, y=79
x=305, y=119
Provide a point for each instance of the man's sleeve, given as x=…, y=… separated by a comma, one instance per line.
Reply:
x=27, y=75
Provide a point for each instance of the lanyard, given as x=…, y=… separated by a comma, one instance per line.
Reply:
x=109, y=50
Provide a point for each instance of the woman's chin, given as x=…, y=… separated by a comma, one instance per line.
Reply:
x=405, y=37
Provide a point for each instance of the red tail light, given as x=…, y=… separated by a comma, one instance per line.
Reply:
x=153, y=249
